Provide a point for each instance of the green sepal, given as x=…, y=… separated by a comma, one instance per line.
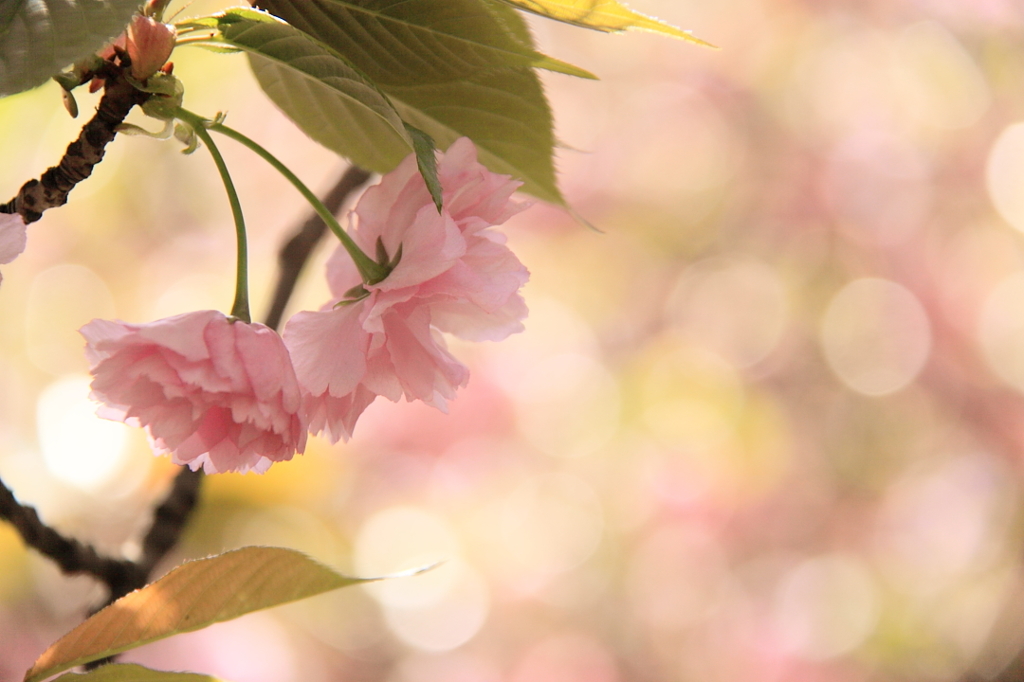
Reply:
x=426, y=160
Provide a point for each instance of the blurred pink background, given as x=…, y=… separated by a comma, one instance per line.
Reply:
x=767, y=424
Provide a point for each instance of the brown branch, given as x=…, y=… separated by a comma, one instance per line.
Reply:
x=169, y=520
x=296, y=251
x=82, y=155
x=71, y=555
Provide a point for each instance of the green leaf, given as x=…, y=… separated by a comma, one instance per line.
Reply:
x=40, y=37
x=609, y=16
x=190, y=597
x=426, y=160
x=504, y=112
x=129, y=672
x=501, y=108
x=318, y=88
x=413, y=42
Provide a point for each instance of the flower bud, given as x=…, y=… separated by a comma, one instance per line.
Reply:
x=149, y=46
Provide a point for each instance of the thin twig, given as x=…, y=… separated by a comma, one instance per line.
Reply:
x=296, y=251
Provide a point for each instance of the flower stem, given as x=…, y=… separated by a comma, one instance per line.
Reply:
x=240, y=308
x=370, y=270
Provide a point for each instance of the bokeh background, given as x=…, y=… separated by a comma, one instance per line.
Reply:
x=767, y=424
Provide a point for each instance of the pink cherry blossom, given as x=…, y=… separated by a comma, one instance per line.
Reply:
x=148, y=43
x=455, y=275
x=13, y=237
x=212, y=392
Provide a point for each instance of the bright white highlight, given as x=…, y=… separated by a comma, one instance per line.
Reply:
x=78, y=447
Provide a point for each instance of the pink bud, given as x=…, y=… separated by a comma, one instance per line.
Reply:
x=149, y=46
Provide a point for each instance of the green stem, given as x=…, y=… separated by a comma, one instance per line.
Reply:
x=240, y=308
x=370, y=270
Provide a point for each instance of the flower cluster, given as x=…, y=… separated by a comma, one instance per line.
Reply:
x=453, y=274
x=230, y=396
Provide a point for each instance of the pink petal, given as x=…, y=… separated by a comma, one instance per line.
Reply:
x=212, y=392
x=328, y=349
x=13, y=237
x=149, y=45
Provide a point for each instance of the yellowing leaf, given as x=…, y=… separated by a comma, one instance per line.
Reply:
x=190, y=597
x=609, y=16
x=129, y=672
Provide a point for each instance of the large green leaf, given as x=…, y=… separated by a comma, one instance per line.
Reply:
x=501, y=108
x=504, y=112
x=602, y=15
x=190, y=597
x=414, y=42
x=317, y=87
x=129, y=672
x=40, y=37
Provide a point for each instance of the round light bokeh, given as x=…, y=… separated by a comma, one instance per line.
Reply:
x=400, y=539
x=876, y=336
x=568, y=405
x=551, y=524
x=62, y=299
x=448, y=621
x=1004, y=175
x=78, y=447
x=736, y=308
x=936, y=80
x=826, y=606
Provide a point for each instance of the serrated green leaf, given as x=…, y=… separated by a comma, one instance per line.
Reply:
x=190, y=597
x=504, y=112
x=426, y=161
x=413, y=42
x=502, y=109
x=318, y=88
x=130, y=672
x=609, y=16
x=40, y=37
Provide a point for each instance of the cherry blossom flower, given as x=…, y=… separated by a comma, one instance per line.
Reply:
x=453, y=274
x=13, y=237
x=149, y=44
x=212, y=392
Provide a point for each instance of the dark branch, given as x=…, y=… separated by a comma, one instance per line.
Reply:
x=82, y=155
x=71, y=555
x=296, y=251
x=169, y=519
